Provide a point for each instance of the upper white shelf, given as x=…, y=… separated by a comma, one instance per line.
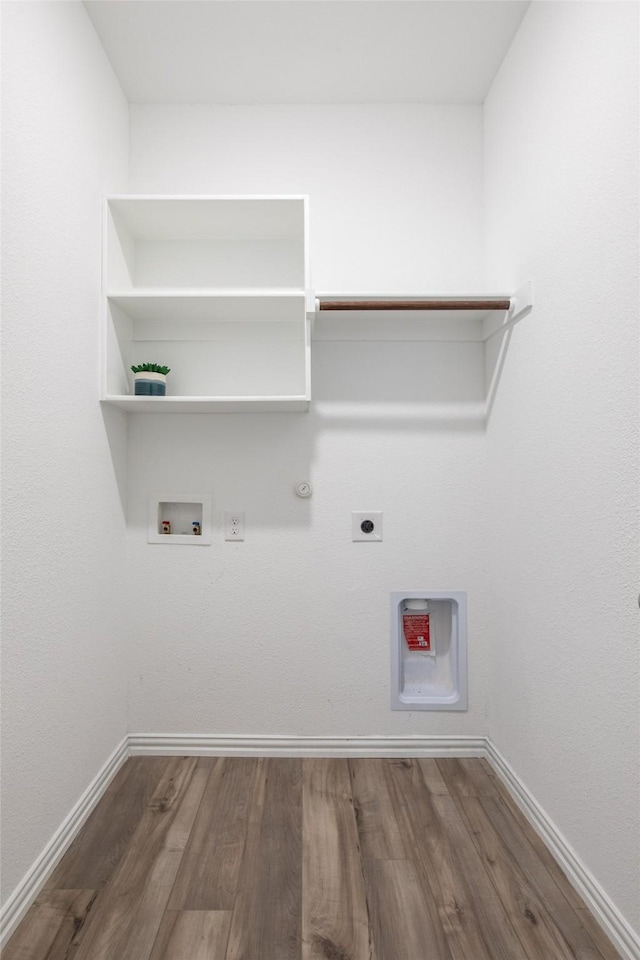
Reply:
x=207, y=243
x=210, y=217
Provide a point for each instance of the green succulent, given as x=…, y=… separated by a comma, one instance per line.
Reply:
x=150, y=368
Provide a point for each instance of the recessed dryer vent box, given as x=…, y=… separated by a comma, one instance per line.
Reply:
x=178, y=517
x=434, y=677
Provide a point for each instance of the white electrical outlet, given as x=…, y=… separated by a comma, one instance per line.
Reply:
x=366, y=525
x=233, y=525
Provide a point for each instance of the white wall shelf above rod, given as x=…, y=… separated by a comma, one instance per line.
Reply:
x=378, y=316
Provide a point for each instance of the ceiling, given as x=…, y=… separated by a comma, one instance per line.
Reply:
x=305, y=51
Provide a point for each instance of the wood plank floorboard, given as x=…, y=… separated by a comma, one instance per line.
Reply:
x=433, y=778
x=192, y=935
x=597, y=934
x=527, y=909
x=553, y=900
x=403, y=915
x=51, y=926
x=97, y=850
x=209, y=871
x=380, y=836
x=314, y=859
x=466, y=778
x=127, y=917
x=497, y=930
x=469, y=914
x=335, y=919
x=268, y=911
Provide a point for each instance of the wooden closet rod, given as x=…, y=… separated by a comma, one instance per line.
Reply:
x=414, y=304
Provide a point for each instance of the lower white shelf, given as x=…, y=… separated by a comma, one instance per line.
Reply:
x=135, y=404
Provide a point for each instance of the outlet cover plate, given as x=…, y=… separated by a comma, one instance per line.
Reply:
x=234, y=525
x=359, y=517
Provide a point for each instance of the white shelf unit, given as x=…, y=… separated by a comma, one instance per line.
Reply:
x=217, y=289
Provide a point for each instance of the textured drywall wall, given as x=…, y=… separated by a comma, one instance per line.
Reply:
x=561, y=163
x=288, y=632
x=65, y=141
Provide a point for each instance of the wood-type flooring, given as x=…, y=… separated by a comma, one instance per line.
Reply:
x=188, y=858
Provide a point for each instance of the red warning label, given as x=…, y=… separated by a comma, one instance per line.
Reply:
x=416, y=631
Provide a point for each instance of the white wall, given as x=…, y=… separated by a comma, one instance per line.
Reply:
x=561, y=162
x=65, y=141
x=288, y=633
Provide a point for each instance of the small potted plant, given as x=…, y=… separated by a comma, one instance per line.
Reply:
x=150, y=379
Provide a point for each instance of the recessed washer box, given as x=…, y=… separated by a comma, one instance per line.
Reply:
x=436, y=680
x=181, y=514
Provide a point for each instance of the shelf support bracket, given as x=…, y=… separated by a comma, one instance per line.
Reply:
x=521, y=306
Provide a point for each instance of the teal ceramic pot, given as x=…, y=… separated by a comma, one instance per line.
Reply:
x=148, y=384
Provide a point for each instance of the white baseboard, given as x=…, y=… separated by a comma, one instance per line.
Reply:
x=32, y=883
x=211, y=746
x=606, y=913
x=609, y=917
